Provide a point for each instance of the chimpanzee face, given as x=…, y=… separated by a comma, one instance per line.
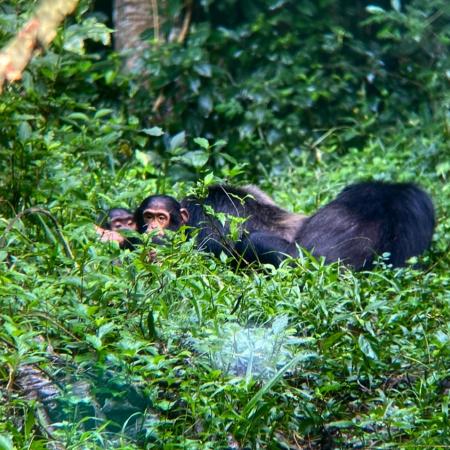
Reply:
x=125, y=222
x=118, y=219
x=156, y=217
x=160, y=212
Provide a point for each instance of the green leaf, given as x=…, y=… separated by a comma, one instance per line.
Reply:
x=205, y=104
x=249, y=407
x=78, y=116
x=177, y=141
x=154, y=131
x=103, y=112
x=105, y=329
x=90, y=28
x=203, y=69
x=95, y=341
x=202, y=142
x=142, y=157
x=366, y=347
x=373, y=9
x=340, y=424
x=25, y=131
x=396, y=5
x=219, y=144
x=6, y=442
x=442, y=169
x=196, y=158
x=74, y=43
x=208, y=179
x=330, y=340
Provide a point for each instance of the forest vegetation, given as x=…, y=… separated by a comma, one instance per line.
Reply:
x=108, y=348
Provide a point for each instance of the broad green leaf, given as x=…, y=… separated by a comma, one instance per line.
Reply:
x=177, y=141
x=103, y=112
x=203, y=69
x=208, y=179
x=202, y=142
x=373, y=9
x=79, y=116
x=25, y=131
x=105, y=329
x=154, y=131
x=366, y=348
x=142, y=157
x=74, y=43
x=6, y=442
x=196, y=158
x=95, y=341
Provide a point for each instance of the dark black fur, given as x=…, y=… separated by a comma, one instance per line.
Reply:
x=264, y=248
x=261, y=217
x=365, y=220
x=368, y=219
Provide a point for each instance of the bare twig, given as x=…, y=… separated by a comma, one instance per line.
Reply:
x=155, y=15
x=186, y=22
x=158, y=102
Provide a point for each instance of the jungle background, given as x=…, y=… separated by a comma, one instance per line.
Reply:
x=102, y=348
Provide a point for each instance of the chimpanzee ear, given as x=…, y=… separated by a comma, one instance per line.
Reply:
x=184, y=215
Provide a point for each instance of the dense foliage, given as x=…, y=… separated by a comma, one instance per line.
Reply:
x=301, y=97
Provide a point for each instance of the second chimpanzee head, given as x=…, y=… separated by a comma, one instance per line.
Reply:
x=159, y=212
x=118, y=219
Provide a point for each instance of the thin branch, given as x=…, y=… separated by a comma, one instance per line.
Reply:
x=37, y=33
x=155, y=15
x=186, y=22
x=158, y=102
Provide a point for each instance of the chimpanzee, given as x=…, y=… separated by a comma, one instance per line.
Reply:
x=365, y=220
x=118, y=219
x=368, y=219
x=258, y=211
x=114, y=220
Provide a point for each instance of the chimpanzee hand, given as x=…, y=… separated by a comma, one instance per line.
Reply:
x=109, y=235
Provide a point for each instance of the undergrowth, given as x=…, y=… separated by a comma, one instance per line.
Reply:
x=186, y=352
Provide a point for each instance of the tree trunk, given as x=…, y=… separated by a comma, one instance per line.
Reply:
x=131, y=18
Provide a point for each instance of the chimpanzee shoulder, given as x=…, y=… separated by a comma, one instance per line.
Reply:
x=256, y=207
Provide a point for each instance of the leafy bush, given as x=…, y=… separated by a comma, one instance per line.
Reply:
x=308, y=97
x=276, y=78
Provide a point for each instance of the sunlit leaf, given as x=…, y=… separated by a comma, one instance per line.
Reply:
x=154, y=131
x=202, y=142
x=25, y=131
x=366, y=347
x=178, y=140
x=196, y=158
